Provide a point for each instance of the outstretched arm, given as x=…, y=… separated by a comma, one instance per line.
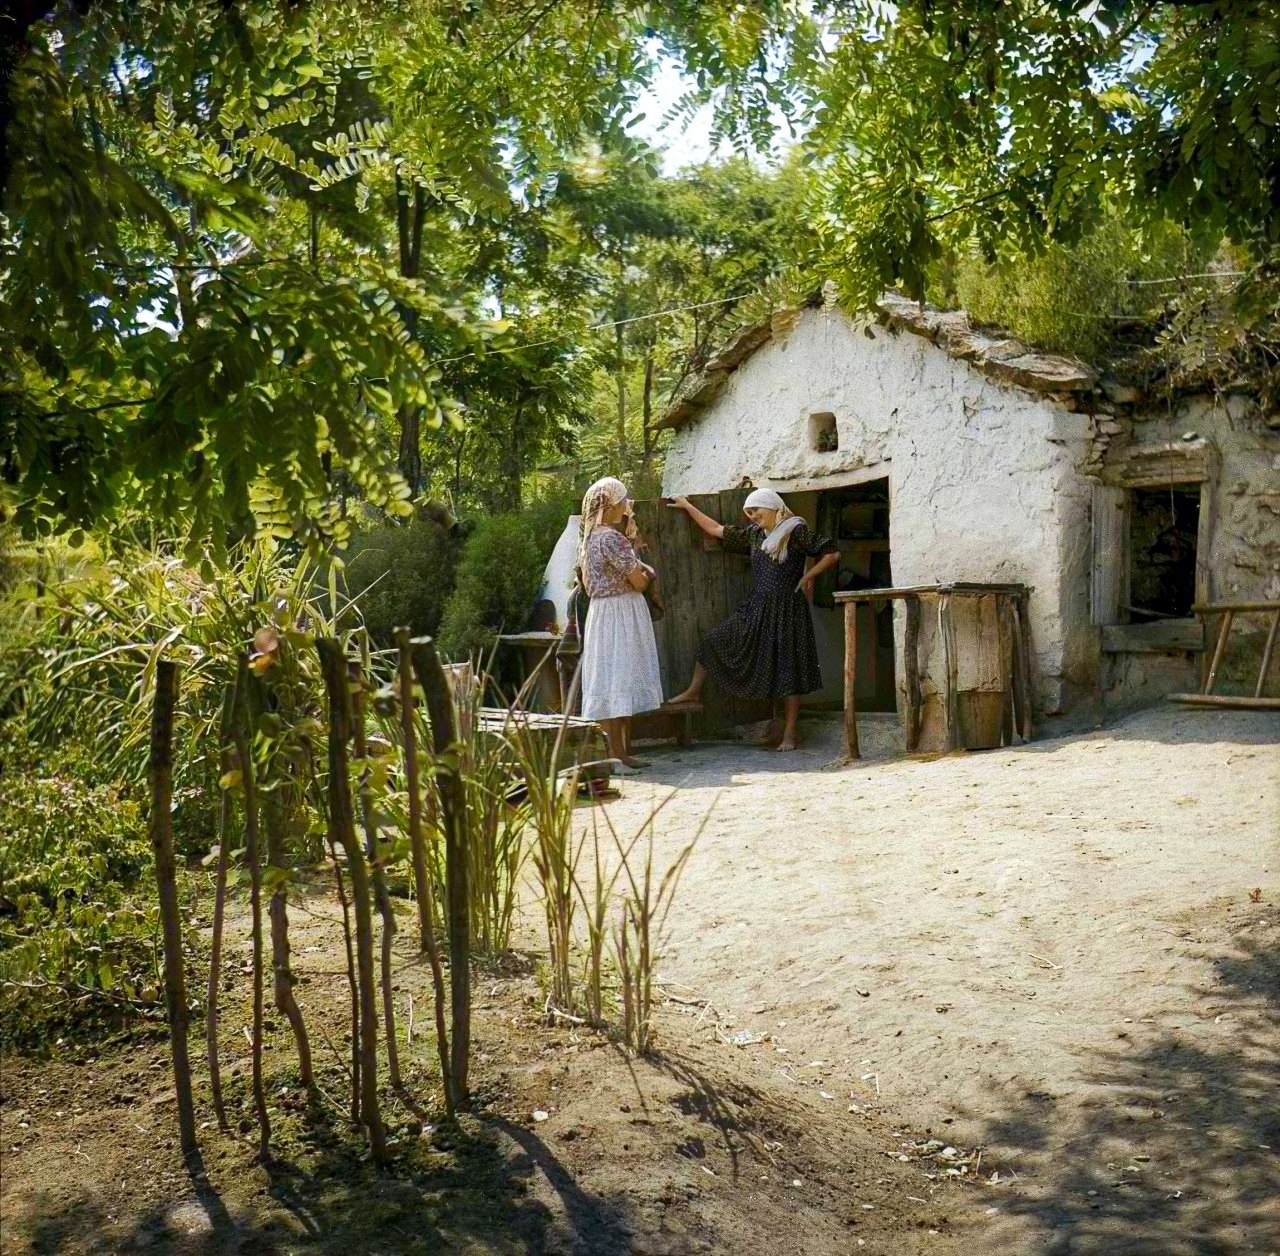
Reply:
x=705, y=522
x=828, y=560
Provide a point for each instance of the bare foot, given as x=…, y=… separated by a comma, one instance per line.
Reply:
x=632, y=762
x=773, y=735
x=687, y=696
x=787, y=743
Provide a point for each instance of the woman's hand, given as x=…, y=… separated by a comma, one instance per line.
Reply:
x=806, y=583
x=679, y=503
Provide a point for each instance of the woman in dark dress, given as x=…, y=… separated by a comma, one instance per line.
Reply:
x=766, y=649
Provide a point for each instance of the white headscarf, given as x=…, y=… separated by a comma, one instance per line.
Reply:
x=598, y=498
x=775, y=543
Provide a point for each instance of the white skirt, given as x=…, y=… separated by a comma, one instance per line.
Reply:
x=620, y=675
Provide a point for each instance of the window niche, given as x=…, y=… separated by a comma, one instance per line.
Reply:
x=824, y=435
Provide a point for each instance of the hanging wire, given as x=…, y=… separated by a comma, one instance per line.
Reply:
x=617, y=322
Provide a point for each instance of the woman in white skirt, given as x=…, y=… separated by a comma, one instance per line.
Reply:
x=619, y=666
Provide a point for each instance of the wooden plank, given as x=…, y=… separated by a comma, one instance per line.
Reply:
x=1218, y=650
x=951, y=695
x=1004, y=618
x=1239, y=608
x=957, y=589
x=1022, y=663
x=850, y=677
x=1266, y=654
x=1110, y=570
x=911, y=670
x=1226, y=700
x=1158, y=637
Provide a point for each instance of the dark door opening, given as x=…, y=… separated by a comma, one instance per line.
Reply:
x=1164, y=523
x=857, y=520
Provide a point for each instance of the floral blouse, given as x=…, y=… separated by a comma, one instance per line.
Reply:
x=610, y=560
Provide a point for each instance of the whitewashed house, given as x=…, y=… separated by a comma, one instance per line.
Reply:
x=935, y=452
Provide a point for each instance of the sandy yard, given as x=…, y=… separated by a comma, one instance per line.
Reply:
x=1066, y=953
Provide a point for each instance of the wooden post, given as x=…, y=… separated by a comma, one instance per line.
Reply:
x=1266, y=654
x=453, y=812
x=1008, y=665
x=219, y=903
x=911, y=671
x=343, y=829
x=381, y=897
x=426, y=901
x=160, y=771
x=245, y=762
x=850, y=676
x=1211, y=679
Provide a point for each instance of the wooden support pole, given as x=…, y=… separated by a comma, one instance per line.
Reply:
x=1211, y=679
x=160, y=771
x=850, y=679
x=412, y=661
x=244, y=759
x=911, y=672
x=1226, y=700
x=343, y=827
x=1267, y=651
x=225, y=758
x=453, y=814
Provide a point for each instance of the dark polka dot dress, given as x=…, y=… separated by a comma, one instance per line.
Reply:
x=766, y=649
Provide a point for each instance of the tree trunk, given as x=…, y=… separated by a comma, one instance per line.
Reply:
x=409, y=663
x=453, y=811
x=648, y=408
x=409, y=225
x=160, y=771
x=381, y=897
x=245, y=763
x=342, y=822
x=283, y=980
x=353, y=983
x=220, y=901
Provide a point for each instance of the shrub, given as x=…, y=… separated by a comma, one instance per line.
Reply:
x=1070, y=298
x=78, y=926
x=401, y=574
x=499, y=575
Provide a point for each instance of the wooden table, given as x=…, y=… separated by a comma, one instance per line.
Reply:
x=1015, y=663
x=1229, y=611
x=536, y=651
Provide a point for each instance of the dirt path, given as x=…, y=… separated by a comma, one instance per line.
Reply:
x=1051, y=952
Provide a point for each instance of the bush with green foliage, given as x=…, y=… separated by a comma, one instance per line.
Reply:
x=401, y=575
x=79, y=928
x=1070, y=297
x=499, y=575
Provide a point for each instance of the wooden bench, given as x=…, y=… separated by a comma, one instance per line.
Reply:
x=1229, y=611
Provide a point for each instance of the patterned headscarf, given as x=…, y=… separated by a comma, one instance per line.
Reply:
x=775, y=544
x=598, y=498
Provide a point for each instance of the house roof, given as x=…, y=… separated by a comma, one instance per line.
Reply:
x=1000, y=358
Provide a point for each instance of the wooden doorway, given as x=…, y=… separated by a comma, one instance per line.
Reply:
x=701, y=586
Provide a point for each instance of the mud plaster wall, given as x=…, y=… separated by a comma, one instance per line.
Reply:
x=982, y=476
x=1244, y=551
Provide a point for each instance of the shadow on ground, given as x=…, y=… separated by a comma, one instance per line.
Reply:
x=1179, y=1152
x=475, y=1193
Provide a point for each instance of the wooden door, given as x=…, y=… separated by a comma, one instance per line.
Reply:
x=701, y=586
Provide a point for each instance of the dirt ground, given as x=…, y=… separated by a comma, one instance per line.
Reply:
x=1014, y=1002
x=1066, y=953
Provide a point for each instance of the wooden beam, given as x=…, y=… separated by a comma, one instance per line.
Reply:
x=1241, y=608
x=1226, y=700
x=1022, y=663
x=1110, y=553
